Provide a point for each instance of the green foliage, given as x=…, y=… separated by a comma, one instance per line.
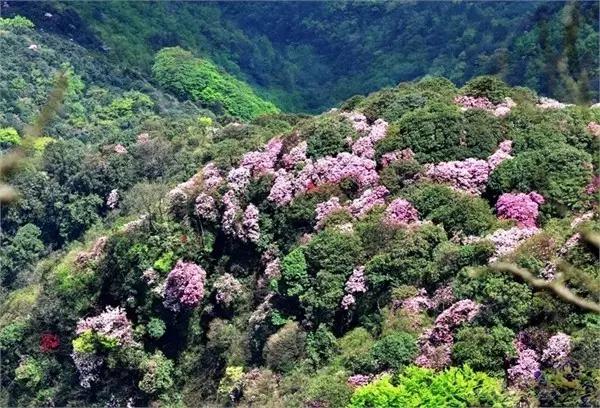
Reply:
x=394, y=350
x=320, y=346
x=30, y=372
x=21, y=253
x=559, y=173
x=487, y=86
x=355, y=350
x=294, y=278
x=200, y=80
x=484, y=349
x=422, y=387
x=284, y=348
x=18, y=24
x=507, y=301
x=229, y=382
x=156, y=328
x=158, y=374
x=9, y=137
x=327, y=135
x=399, y=174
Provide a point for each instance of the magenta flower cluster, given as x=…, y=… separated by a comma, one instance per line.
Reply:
x=506, y=241
x=520, y=207
x=399, y=213
x=296, y=156
x=250, y=229
x=471, y=102
x=211, y=176
x=421, y=302
x=397, y=155
x=358, y=380
x=436, y=343
x=184, y=286
x=205, y=207
x=112, y=323
x=526, y=371
x=325, y=209
x=369, y=199
x=365, y=145
x=557, y=350
x=356, y=283
x=262, y=162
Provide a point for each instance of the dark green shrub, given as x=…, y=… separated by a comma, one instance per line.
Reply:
x=294, y=277
x=327, y=135
x=320, y=346
x=484, y=349
x=487, y=86
x=394, y=350
x=399, y=174
x=283, y=349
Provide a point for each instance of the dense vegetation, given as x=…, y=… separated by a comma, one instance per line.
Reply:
x=308, y=56
x=177, y=241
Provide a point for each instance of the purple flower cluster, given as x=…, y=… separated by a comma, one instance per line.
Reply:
x=400, y=212
x=112, y=323
x=397, y=155
x=359, y=380
x=184, y=286
x=250, y=228
x=205, y=207
x=297, y=155
x=501, y=154
x=282, y=191
x=506, y=241
x=557, y=350
x=499, y=110
x=469, y=175
x=418, y=303
x=526, y=371
x=273, y=269
x=436, y=343
x=326, y=208
x=238, y=179
x=365, y=146
x=520, y=207
x=358, y=121
x=211, y=176
x=369, y=199
x=356, y=283
x=230, y=212
x=228, y=288
x=263, y=162
x=87, y=365
x=113, y=199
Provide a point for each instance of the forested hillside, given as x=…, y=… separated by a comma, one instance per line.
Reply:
x=309, y=56
x=171, y=237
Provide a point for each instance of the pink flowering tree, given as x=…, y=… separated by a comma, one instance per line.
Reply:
x=400, y=212
x=113, y=199
x=184, y=286
x=521, y=207
x=356, y=283
x=325, y=209
x=112, y=324
x=228, y=289
x=250, y=228
x=370, y=199
x=557, y=350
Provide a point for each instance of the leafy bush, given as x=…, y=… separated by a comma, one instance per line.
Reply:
x=200, y=80
x=484, y=349
x=559, y=173
x=9, y=137
x=294, y=277
x=320, y=346
x=422, y=387
x=487, y=86
x=18, y=24
x=394, y=350
x=285, y=348
x=327, y=135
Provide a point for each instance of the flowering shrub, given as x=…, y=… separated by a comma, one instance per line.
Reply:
x=359, y=380
x=49, y=342
x=113, y=199
x=400, y=212
x=365, y=146
x=112, y=325
x=520, y=207
x=469, y=175
x=211, y=176
x=396, y=155
x=525, y=373
x=228, y=289
x=238, y=179
x=297, y=155
x=325, y=209
x=557, y=351
x=368, y=200
x=262, y=162
x=356, y=283
x=184, y=286
x=205, y=207
x=120, y=149
x=501, y=154
x=506, y=241
x=282, y=191
x=436, y=343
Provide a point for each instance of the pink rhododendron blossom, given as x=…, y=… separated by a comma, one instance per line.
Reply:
x=211, y=176
x=296, y=155
x=594, y=186
x=501, y=154
x=358, y=380
x=273, y=269
x=526, y=371
x=282, y=191
x=205, y=207
x=506, y=241
x=143, y=138
x=469, y=175
x=400, y=212
x=436, y=343
x=250, y=227
x=112, y=323
x=358, y=120
x=471, y=102
x=184, y=286
x=521, y=207
x=120, y=149
x=418, y=303
x=113, y=199
x=594, y=128
x=365, y=146
x=397, y=155
x=333, y=170
x=230, y=212
x=442, y=296
x=368, y=200
x=557, y=351
x=325, y=209
x=228, y=289
x=356, y=283
x=549, y=103
x=238, y=179
x=262, y=162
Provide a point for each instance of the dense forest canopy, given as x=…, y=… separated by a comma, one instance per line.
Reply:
x=309, y=56
x=174, y=233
